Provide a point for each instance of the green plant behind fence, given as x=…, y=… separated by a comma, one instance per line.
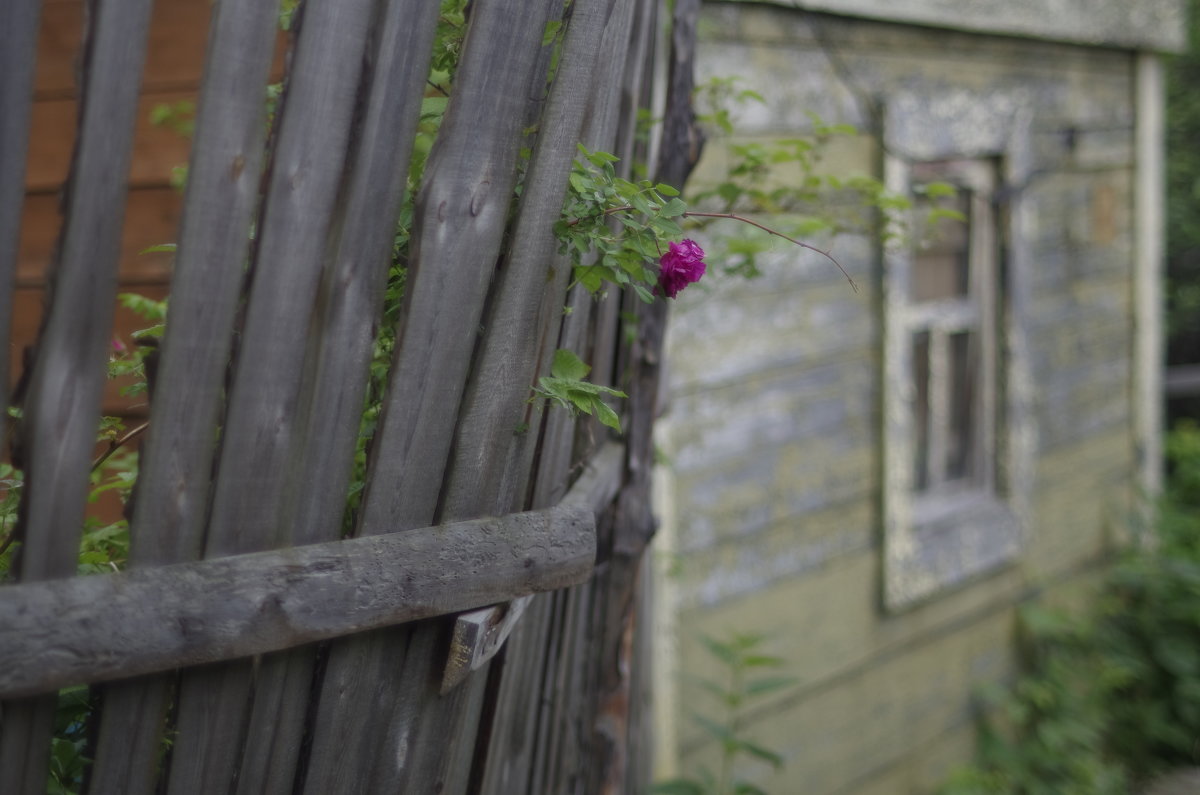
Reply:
x=1111, y=698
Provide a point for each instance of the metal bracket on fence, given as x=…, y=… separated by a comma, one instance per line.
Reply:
x=478, y=635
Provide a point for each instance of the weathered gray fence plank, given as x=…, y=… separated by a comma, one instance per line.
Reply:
x=62, y=405
x=529, y=301
x=336, y=369
x=510, y=742
x=18, y=44
x=508, y=764
x=490, y=471
x=305, y=175
x=214, y=239
x=633, y=522
x=94, y=628
x=461, y=214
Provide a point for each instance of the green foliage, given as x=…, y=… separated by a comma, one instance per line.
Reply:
x=67, y=761
x=614, y=229
x=749, y=675
x=11, y=481
x=1110, y=698
x=783, y=177
x=565, y=387
x=179, y=117
x=1183, y=198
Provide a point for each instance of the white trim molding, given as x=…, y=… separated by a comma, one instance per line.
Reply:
x=1150, y=226
x=1128, y=24
x=931, y=545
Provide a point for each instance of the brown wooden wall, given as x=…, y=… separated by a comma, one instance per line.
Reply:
x=174, y=63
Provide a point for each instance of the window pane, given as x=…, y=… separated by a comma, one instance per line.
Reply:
x=941, y=260
x=961, y=437
x=920, y=375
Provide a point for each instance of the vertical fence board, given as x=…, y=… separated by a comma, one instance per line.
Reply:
x=305, y=176
x=528, y=302
x=611, y=36
x=18, y=46
x=633, y=522
x=173, y=485
x=481, y=321
x=460, y=218
x=336, y=371
x=512, y=732
x=490, y=469
x=214, y=240
x=62, y=406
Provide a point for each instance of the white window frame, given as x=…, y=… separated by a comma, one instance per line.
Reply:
x=945, y=536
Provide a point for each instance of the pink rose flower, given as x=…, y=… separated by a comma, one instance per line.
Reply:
x=680, y=266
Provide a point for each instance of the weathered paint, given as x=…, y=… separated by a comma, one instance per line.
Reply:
x=773, y=439
x=1150, y=24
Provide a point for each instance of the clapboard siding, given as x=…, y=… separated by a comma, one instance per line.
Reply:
x=774, y=436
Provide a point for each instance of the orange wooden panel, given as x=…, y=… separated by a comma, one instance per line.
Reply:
x=52, y=134
x=151, y=218
x=174, y=56
x=28, y=306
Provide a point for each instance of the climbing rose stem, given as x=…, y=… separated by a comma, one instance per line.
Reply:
x=757, y=225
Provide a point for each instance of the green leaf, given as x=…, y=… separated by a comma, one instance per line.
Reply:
x=718, y=731
x=765, y=754
x=722, y=651
x=674, y=208
x=938, y=190
x=569, y=366
x=158, y=247
x=606, y=415
x=665, y=189
x=769, y=684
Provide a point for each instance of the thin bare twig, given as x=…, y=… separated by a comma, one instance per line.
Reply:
x=745, y=220
x=116, y=445
x=770, y=231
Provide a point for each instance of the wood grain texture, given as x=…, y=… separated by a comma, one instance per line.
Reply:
x=173, y=489
x=151, y=217
x=459, y=221
x=341, y=339
x=85, y=629
x=18, y=22
x=174, y=52
x=490, y=470
x=62, y=405
x=492, y=463
x=461, y=214
x=304, y=181
x=156, y=149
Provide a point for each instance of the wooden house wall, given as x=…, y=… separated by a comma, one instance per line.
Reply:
x=772, y=487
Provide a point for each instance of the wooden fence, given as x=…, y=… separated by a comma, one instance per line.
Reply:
x=249, y=647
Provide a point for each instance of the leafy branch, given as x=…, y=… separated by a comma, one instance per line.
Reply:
x=744, y=662
x=566, y=387
x=623, y=225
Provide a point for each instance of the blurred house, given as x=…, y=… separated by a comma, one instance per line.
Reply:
x=874, y=480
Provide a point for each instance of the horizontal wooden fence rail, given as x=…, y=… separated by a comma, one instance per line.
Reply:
x=1182, y=381
x=96, y=628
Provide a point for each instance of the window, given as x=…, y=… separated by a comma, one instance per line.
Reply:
x=950, y=322
x=949, y=512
